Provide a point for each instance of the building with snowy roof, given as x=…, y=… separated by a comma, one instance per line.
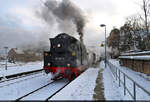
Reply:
x=137, y=61
x=1, y=57
x=15, y=54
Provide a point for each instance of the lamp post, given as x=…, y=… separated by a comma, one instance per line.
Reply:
x=103, y=25
x=6, y=57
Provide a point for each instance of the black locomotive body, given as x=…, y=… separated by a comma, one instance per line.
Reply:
x=67, y=57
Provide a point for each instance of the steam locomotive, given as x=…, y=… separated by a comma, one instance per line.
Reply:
x=67, y=57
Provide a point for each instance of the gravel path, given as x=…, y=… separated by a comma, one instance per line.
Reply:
x=99, y=89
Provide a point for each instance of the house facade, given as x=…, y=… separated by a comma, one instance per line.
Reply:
x=1, y=57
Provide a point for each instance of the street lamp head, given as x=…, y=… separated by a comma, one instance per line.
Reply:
x=102, y=25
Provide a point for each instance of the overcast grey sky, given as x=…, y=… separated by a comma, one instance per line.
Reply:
x=19, y=16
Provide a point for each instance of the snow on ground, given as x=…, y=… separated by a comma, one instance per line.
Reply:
x=47, y=91
x=132, y=74
x=18, y=80
x=141, y=95
x=111, y=88
x=19, y=67
x=14, y=91
x=82, y=88
x=140, y=78
x=2, y=64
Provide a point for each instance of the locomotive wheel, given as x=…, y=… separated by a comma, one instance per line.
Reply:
x=47, y=71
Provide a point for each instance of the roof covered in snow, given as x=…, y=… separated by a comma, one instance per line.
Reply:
x=136, y=57
x=136, y=53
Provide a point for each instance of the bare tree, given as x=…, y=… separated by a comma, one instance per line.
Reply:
x=137, y=31
x=145, y=17
x=145, y=8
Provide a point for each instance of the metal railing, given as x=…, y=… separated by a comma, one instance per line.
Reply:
x=117, y=75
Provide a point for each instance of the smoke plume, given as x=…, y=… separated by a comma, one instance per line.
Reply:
x=66, y=15
x=23, y=39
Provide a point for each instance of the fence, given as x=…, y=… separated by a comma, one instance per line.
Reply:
x=117, y=74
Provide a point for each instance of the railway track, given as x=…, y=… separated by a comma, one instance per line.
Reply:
x=24, y=97
x=7, y=84
x=56, y=92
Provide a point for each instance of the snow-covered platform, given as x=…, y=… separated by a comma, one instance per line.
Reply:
x=82, y=88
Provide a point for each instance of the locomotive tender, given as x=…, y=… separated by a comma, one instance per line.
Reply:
x=67, y=57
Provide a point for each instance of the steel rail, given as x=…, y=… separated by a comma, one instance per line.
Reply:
x=56, y=92
x=26, y=75
x=20, y=74
x=18, y=99
x=20, y=81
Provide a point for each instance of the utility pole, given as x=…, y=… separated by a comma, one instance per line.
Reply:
x=6, y=48
x=103, y=25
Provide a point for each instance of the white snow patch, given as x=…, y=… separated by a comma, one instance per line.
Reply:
x=19, y=68
x=16, y=90
x=111, y=89
x=45, y=92
x=136, y=76
x=82, y=88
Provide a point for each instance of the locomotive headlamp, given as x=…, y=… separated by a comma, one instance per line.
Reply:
x=68, y=65
x=54, y=46
x=73, y=53
x=59, y=45
x=49, y=64
x=46, y=54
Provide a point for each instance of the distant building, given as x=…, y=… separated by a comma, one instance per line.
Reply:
x=15, y=54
